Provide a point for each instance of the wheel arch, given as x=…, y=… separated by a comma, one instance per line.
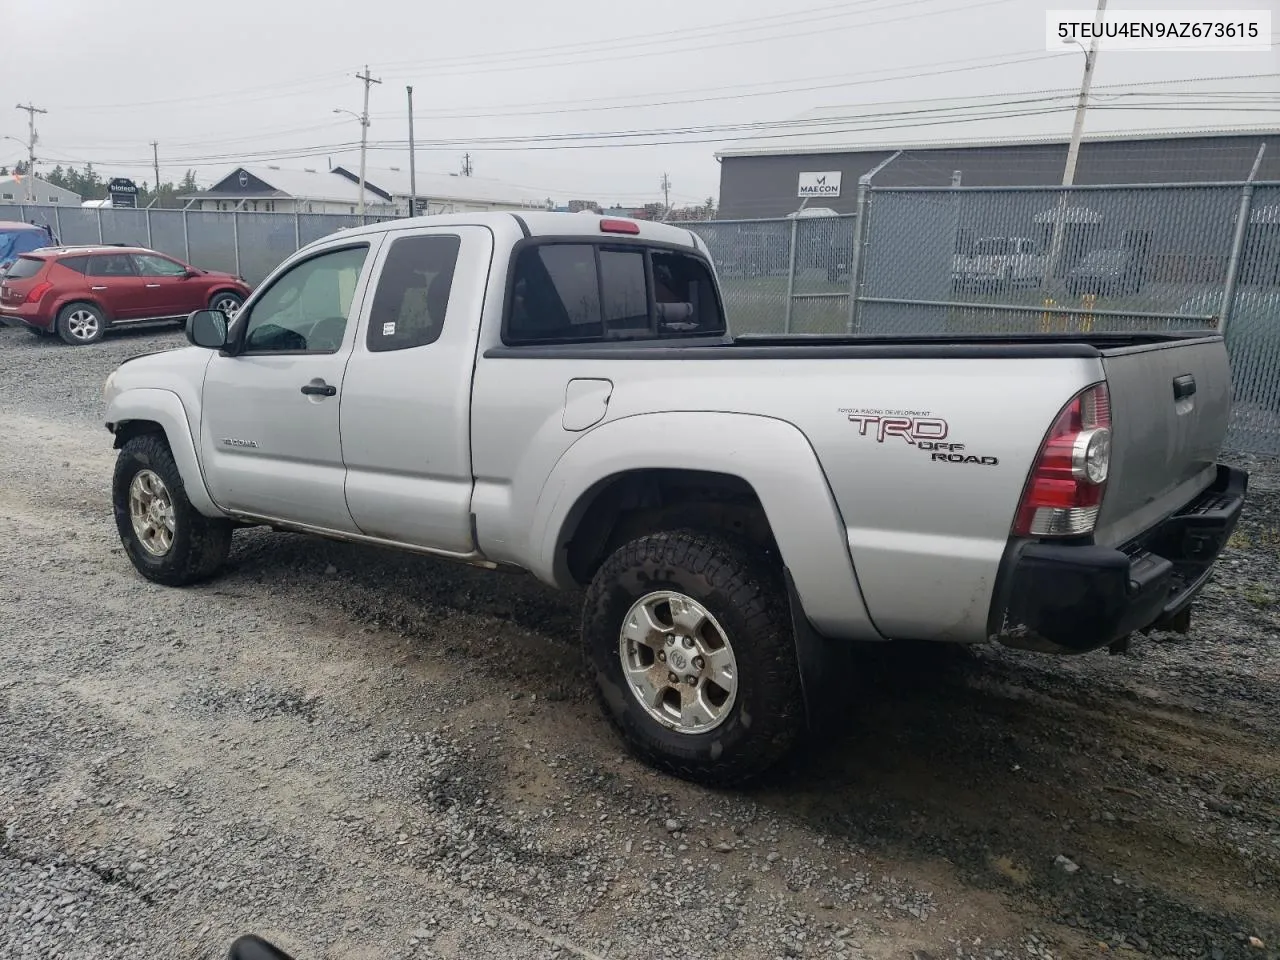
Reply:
x=138, y=412
x=224, y=288
x=71, y=301
x=760, y=476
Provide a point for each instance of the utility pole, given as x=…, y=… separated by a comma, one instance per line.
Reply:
x=666, y=195
x=364, y=130
x=1090, y=59
x=1073, y=148
x=155, y=161
x=466, y=164
x=31, y=146
x=413, y=174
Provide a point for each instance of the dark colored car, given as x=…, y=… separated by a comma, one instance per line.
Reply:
x=18, y=238
x=78, y=292
x=1106, y=273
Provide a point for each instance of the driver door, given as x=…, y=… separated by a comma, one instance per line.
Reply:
x=269, y=433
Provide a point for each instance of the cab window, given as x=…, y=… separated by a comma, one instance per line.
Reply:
x=585, y=292
x=306, y=310
x=413, y=293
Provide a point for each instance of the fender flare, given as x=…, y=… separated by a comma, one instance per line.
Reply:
x=772, y=456
x=165, y=408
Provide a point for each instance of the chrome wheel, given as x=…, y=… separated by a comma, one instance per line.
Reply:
x=151, y=510
x=229, y=305
x=678, y=662
x=83, y=324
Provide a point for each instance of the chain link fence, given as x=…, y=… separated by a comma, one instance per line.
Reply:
x=913, y=261
x=247, y=243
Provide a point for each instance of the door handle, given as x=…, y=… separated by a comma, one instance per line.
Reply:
x=97, y=288
x=150, y=285
x=318, y=388
x=1184, y=387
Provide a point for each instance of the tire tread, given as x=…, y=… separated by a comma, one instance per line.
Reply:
x=752, y=585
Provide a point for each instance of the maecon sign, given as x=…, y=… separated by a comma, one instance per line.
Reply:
x=820, y=184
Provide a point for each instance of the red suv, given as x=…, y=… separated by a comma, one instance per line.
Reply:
x=78, y=292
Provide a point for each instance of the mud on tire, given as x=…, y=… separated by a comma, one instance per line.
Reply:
x=199, y=545
x=736, y=584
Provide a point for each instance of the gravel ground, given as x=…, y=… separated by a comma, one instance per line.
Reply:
x=367, y=755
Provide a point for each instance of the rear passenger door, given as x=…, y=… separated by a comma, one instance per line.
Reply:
x=115, y=284
x=406, y=408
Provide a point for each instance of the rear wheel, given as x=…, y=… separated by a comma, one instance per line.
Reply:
x=81, y=323
x=166, y=538
x=688, y=636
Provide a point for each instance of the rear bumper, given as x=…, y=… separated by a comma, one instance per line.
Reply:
x=1075, y=598
x=24, y=314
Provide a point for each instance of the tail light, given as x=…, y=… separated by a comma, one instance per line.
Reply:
x=1070, y=474
x=36, y=293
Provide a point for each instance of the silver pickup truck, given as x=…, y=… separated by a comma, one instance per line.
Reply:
x=560, y=394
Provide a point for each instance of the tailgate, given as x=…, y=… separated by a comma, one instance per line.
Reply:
x=1170, y=404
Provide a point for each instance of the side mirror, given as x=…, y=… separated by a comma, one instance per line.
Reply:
x=208, y=329
x=190, y=274
x=251, y=947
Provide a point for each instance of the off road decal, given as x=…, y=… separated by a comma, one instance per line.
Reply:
x=917, y=428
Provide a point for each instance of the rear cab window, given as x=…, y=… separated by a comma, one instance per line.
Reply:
x=24, y=268
x=574, y=291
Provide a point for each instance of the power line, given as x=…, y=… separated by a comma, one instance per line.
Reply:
x=308, y=84
x=803, y=15
x=558, y=107
x=617, y=56
x=975, y=109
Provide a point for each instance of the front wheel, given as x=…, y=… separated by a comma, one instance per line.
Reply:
x=166, y=538
x=688, y=637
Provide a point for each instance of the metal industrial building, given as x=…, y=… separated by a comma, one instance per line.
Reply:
x=1186, y=132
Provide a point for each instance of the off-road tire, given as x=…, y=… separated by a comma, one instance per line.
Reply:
x=200, y=543
x=738, y=585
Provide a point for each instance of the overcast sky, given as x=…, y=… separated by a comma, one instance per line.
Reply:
x=215, y=83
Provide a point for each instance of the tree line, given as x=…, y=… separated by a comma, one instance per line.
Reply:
x=90, y=184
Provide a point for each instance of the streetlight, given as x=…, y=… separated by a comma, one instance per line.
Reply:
x=363, y=120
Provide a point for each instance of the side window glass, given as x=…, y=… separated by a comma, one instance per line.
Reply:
x=413, y=293
x=78, y=264
x=151, y=266
x=111, y=265
x=625, y=306
x=307, y=309
x=685, y=295
x=556, y=294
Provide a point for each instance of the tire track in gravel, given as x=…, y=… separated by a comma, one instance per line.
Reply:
x=434, y=765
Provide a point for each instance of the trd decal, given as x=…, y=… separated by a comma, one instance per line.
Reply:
x=910, y=429
x=916, y=428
